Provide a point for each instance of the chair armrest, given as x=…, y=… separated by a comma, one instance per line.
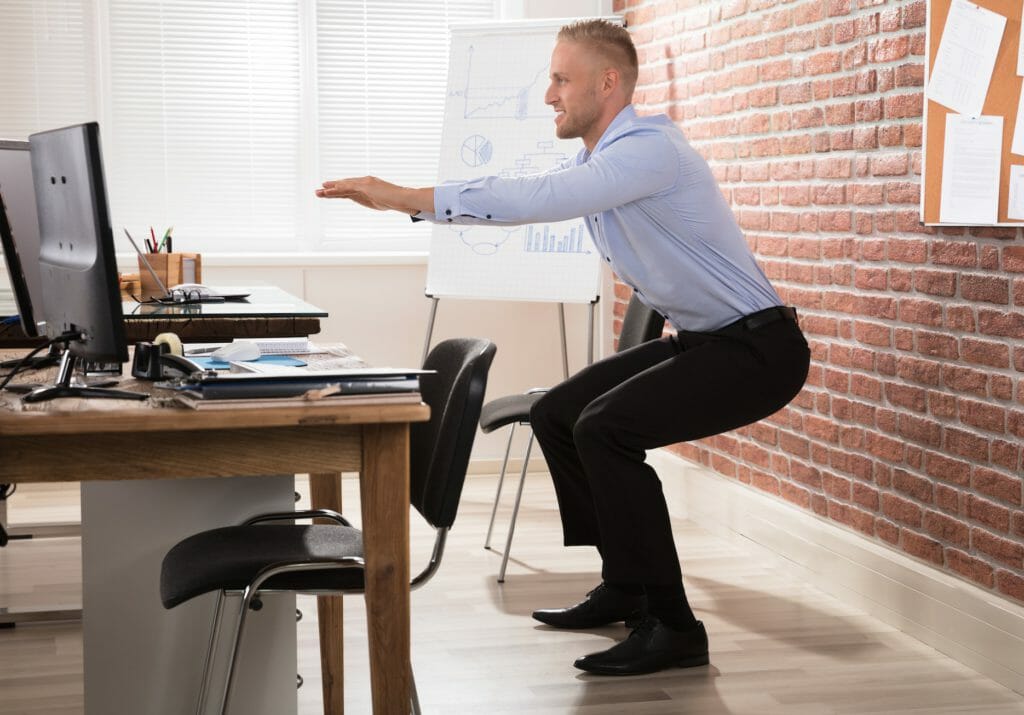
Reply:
x=534, y=390
x=302, y=514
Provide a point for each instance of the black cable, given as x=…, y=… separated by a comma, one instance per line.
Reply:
x=62, y=338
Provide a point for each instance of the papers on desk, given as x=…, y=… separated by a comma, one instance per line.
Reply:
x=263, y=381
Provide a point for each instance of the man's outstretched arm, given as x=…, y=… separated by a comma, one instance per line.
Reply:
x=378, y=194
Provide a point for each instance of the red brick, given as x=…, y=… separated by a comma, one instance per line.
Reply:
x=989, y=289
x=836, y=486
x=1013, y=259
x=955, y=253
x=961, y=318
x=941, y=404
x=1010, y=584
x=872, y=333
x=974, y=569
x=935, y=282
x=988, y=513
x=903, y=106
x=937, y=345
x=887, y=531
x=922, y=547
x=922, y=312
x=1003, y=550
x=912, y=485
x=994, y=322
x=982, y=415
x=900, y=280
x=965, y=379
x=890, y=450
x=805, y=474
x=890, y=164
x=764, y=482
x=947, y=498
x=866, y=496
x=984, y=352
x=923, y=372
x=948, y=469
x=851, y=516
x=920, y=430
x=1006, y=455
x=947, y=529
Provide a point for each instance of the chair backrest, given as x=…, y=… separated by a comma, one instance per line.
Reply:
x=440, y=447
x=639, y=324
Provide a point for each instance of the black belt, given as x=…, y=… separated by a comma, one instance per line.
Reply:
x=757, y=320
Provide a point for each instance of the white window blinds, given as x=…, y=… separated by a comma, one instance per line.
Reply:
x=382, y=73
x=220, y=117
x=204, y=121
x=47, y=66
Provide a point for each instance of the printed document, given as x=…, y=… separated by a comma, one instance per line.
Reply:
x=970, y=170
x=967, y=53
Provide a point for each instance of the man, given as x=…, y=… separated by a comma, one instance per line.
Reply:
x=656, y=215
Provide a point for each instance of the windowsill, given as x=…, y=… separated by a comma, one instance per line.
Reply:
x=312, y=259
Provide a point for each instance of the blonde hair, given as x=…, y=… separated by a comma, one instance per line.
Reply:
x=611, y=41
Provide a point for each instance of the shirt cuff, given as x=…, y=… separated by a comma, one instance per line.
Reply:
x=447, y=201
x=423, y=216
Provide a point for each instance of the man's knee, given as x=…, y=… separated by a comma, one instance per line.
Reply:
x=542, y=415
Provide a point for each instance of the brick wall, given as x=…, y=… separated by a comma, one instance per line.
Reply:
x=909, y=429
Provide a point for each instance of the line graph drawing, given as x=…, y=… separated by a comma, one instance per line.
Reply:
x=481, y=99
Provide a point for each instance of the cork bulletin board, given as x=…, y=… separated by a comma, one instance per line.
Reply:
x=1001, y=100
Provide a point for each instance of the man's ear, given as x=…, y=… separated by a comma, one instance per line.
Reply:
x=610, y=80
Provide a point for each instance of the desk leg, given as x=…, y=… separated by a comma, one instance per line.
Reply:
x=384, y=491
x=325, y=493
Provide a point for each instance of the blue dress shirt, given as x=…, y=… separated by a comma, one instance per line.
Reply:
x=653, y=210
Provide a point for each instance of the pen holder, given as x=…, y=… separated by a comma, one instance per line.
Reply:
x=172, y=268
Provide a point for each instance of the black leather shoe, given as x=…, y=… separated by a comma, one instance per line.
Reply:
x=653, y=646
x=602, y=606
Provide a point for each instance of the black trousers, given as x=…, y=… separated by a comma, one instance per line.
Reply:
x=596, y=427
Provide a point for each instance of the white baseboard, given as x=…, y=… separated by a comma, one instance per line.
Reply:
x=975, y=627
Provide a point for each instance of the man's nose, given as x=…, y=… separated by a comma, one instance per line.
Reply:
x=549, y=96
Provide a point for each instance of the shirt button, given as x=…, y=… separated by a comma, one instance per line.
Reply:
x=488, y=215
x=447, y=212
x=449, y=220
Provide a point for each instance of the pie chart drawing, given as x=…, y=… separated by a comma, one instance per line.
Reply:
x=477, y=150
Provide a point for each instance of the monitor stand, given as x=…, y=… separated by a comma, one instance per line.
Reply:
x=64, y=388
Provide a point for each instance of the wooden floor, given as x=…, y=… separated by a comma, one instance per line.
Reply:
x=777, y=646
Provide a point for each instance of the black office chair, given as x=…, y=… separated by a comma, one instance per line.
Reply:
x=639, y=324
x=255, y=558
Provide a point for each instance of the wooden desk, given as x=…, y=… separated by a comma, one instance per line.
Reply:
x=113, y=441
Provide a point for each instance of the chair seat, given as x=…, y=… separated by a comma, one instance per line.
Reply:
x=231, y=557
x=506, y=410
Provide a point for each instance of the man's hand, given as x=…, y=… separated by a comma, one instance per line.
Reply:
x=378, y=194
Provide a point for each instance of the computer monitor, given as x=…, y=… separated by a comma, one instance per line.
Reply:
x=19, y=231
x=77, y=265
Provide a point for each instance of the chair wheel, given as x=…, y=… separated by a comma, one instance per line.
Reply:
x=298, y=681
x=298, y=615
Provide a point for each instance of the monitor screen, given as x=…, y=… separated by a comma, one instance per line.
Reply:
x=77, y=264
x=19, y=231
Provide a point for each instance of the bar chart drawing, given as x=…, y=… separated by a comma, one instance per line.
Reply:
x=548, y=241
